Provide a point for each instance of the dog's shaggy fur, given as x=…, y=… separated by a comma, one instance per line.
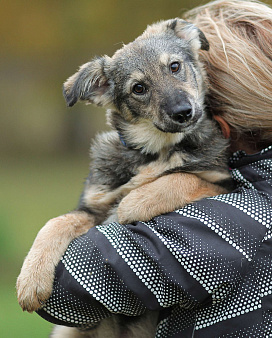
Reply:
x=164, y=151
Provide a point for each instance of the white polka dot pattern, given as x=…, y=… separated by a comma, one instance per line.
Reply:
x=199, y=259
x=250, y=202
x=142, y=265
x=80, y=315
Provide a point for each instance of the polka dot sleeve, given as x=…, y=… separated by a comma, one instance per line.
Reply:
x=206, y=266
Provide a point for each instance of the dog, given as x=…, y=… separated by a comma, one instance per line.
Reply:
x=163, y=143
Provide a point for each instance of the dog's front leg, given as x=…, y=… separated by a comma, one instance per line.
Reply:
x=35, y=282
x=165, y=194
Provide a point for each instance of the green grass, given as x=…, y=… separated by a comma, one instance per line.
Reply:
x=33, y=190
x=16, y=323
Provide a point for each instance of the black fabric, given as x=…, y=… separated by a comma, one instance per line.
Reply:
x=207, y=267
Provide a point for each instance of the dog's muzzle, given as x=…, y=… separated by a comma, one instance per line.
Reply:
x=178, y=115
x=182, y=113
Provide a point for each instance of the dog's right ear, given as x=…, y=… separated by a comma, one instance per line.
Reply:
x=90, y=84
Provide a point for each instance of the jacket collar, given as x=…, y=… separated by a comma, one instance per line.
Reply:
x=240, y=158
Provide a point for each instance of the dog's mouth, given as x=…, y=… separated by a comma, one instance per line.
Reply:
x=179, y=123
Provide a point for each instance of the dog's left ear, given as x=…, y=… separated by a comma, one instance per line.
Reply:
x=184, y=30
x=189, y=32
x=181, y=28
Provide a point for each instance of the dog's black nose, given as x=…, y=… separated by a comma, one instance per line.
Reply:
x=182, y=113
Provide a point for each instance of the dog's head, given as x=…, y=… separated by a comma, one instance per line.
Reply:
x=156, y=81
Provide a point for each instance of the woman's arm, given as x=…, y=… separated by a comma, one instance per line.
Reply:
x=183, y=257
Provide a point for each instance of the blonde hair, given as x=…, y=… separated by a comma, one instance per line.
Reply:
x=239, y=63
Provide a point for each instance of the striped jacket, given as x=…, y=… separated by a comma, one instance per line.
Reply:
x=207, y=267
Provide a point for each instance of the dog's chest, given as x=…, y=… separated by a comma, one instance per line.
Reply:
x=173, y=159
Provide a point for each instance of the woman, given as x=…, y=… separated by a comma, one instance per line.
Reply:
x=207, y=267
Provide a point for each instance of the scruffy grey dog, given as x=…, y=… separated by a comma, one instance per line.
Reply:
x=163, y=152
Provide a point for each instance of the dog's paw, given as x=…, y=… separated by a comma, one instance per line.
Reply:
x=34, y=285
x=35, y=282
x=137, y=206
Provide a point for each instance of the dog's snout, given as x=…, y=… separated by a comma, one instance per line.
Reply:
x=182, y=113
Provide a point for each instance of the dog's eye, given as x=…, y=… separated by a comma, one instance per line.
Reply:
x=175, y=67
x=139, y=89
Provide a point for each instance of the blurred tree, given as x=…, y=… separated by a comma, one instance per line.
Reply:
x=42, y=43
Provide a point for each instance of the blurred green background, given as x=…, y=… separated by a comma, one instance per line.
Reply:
x=44, y=145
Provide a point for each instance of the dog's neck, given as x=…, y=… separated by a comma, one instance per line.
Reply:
x=145, y=137
x=122, y=139
x=141, y=134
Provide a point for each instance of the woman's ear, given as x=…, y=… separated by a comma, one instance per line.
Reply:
x=223, y=125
